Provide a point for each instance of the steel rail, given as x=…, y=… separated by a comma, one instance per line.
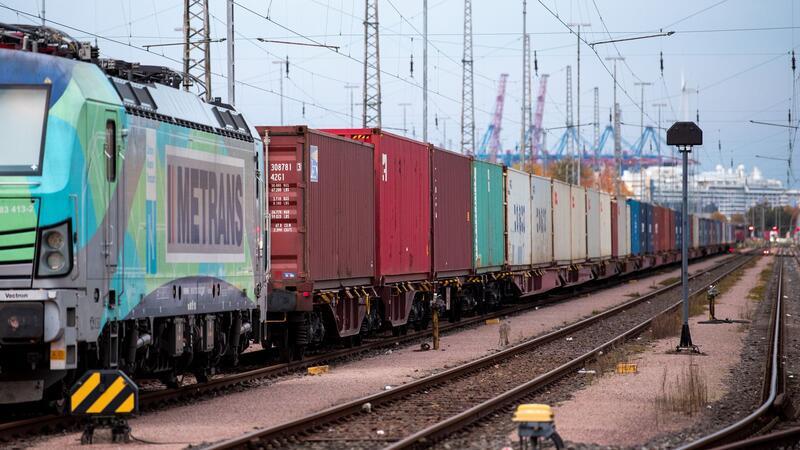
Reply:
x=736, y=429
x=788, y=438
x=19, y=428
x=335, y=413
x=436, y=432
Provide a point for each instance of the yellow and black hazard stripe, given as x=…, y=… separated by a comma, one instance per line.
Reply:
x=104, y=393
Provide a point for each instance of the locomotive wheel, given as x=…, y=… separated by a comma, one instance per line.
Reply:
x=171, y=379
x=202, y=374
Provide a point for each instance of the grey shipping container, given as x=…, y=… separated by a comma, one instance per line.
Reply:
x=542, y=233
x=562, y=229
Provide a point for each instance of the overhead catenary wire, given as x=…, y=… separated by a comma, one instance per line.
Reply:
x=600, y=59
x=175, y=60
x=354, y=59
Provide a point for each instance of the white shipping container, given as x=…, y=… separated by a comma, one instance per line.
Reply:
x=593, y=224
x=542, y=231
x=562, y=250
x=605, y=225
x=518, y=218
x=696, y=231
x=578, y=223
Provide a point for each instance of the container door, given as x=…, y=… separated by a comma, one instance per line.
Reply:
x=562, y=227
x=578, y=222
x=287, y=202
x=542, y=235
x=518, y=218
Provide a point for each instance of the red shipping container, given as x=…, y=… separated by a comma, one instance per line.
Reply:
x=321, y=202
x=403, y=204
x=451, y=203
x=614, y=229
x=660, y=226
x=673, y=230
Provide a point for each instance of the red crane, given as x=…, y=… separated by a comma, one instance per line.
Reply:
x=492, y=136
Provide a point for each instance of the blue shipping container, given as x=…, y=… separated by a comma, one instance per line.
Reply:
x=647, y=235
x=636, y=227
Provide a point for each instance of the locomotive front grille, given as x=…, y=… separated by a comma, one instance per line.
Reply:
x=17, y=250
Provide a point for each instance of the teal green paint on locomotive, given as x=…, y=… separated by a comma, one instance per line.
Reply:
x=99, y=224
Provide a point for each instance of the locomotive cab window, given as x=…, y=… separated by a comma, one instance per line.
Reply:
x=110, y=150
x=23, y=109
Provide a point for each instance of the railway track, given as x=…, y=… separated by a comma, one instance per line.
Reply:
x=425, y=411
x=150, y=399
x=744, y=433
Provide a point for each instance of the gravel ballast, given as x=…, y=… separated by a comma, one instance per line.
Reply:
x=291, y=397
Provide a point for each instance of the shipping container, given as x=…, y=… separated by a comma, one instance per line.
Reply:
x=659, y=229
x=578, y=223
x=452, y=203
x=614, y=229
x=649, y=241
x=625, y=242
x=321, y=202
x=518, y=218
x=403, y=204
x=637, y=225
x=542, y=235
x=623, y=228
x=593, y=235
x=605, y=225
x=695, y=230
x=562, y=227
x=488, y=216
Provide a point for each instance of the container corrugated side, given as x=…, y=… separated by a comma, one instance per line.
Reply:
x=541, y=207
x=647, y=226
x=593, y=235
x=452, y=204
x=578, y=223
x=625, y=240
x=623, y=227
x=614, y=229
x=403, y=209
x=695, y=225
x=488, y=216
x=562, y=225
x=321, y=201
x=636, y=227
x=605, y=225
x=518, y=218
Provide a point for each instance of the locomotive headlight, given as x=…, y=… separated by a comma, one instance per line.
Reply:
x=55, y=251
x=54, y=240
x=55, y=261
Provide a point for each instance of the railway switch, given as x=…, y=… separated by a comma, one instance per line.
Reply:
x=536, y=422
x=106, y=398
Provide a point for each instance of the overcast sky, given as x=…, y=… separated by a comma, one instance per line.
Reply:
x=735, y=52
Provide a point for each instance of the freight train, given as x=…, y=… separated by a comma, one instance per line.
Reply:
x=145, y=229
x=371, y=230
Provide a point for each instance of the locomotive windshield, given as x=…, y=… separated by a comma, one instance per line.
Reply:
x=23, y=109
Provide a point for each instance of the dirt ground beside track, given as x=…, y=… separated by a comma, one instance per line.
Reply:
x=293, y=396
x=622, y=410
